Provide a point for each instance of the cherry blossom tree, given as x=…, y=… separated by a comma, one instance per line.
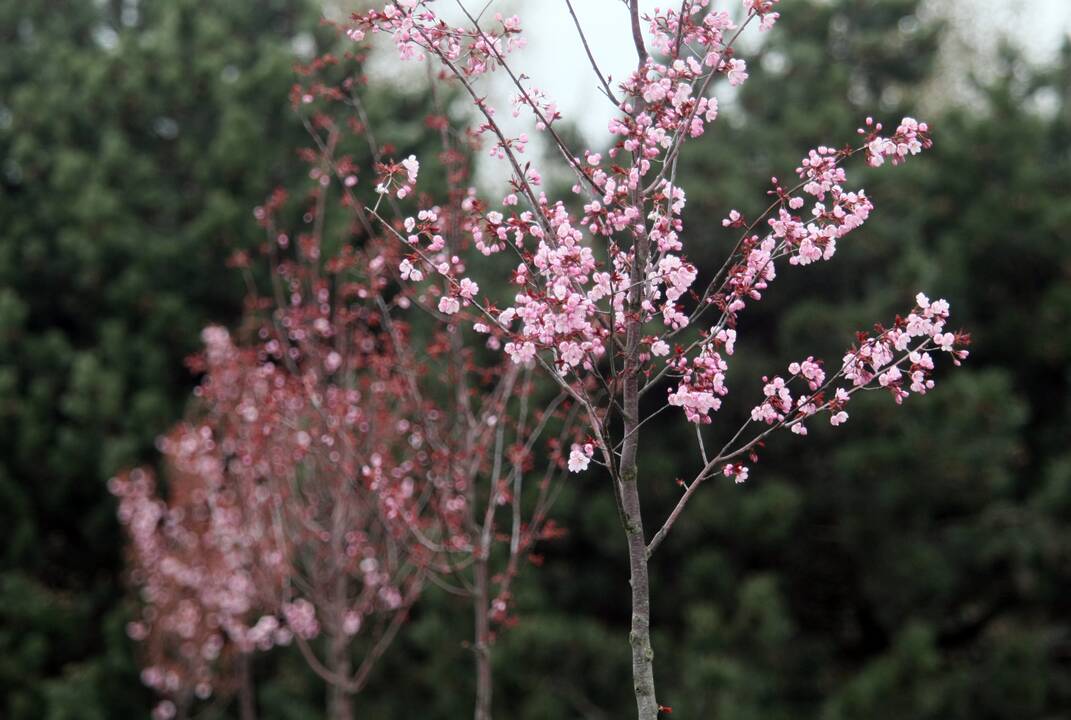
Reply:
x=495, y=467
x=288, y=516
x=329, y=473
x=605, y=302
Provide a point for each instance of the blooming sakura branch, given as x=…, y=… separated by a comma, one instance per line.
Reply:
x=599, y=308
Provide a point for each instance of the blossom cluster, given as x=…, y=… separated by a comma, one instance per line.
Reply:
x=896, y=359
x=911, y=138
x=416, y=29
x=803, y=239
x=398, y=178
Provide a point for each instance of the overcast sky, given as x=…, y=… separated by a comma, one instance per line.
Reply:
x=556, y=61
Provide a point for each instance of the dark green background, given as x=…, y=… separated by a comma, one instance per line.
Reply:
x=914, y=564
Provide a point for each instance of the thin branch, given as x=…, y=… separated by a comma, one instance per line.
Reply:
x=591, y=58
x=637, y=34
x=725, y=454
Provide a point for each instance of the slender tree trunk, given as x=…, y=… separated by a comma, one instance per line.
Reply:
x=182, y=706
x=640, y=634
x=247, y=704
x=339, y=700
x=484, y=686
x=628, y=489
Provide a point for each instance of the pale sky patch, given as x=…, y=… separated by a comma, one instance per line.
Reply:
x=555, y=60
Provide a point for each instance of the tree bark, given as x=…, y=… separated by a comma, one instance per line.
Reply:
x=640, y=633
x=484, y=686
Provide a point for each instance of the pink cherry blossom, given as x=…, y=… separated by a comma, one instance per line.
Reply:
x=448, y=305
x=580, y=457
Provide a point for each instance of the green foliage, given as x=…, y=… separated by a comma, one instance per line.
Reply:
x=134, y=141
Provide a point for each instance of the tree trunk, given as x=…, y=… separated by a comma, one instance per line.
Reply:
x=247, y=706
x=640, y=634
x=339, y=700
x=484, y=687
x=629, y=494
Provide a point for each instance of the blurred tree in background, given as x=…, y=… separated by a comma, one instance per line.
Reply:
x=914, y=569
x=135, y=138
